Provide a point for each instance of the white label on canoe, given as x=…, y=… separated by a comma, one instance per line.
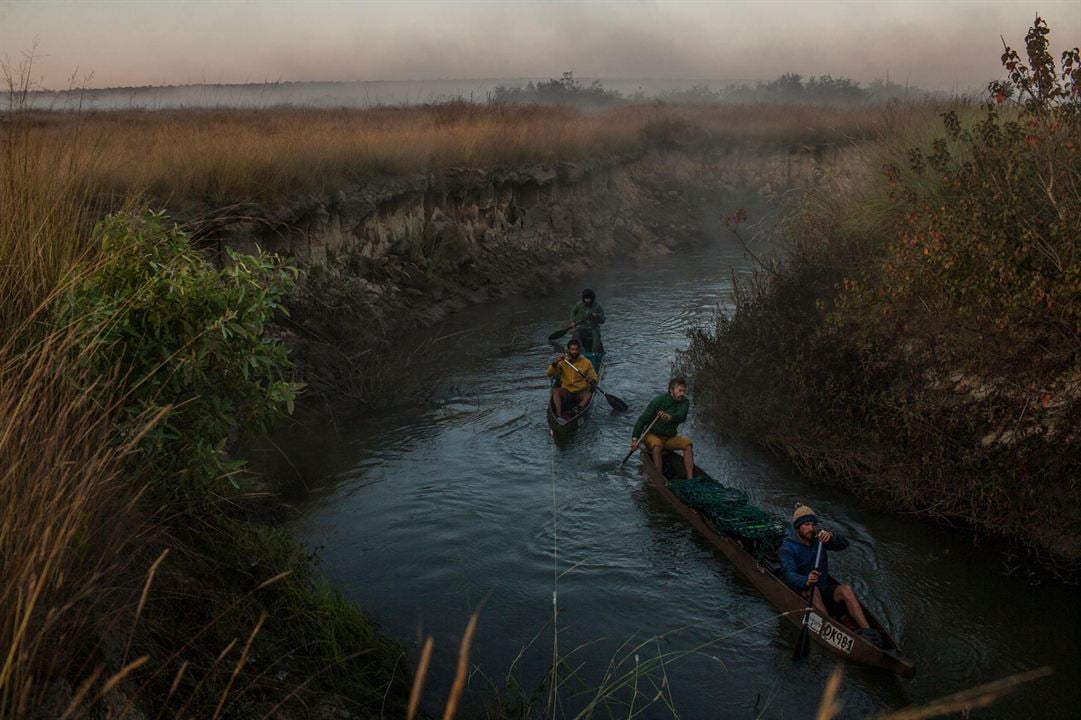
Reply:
x=835, y=637
x=814, y=622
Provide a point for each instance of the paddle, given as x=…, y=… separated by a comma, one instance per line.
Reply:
x=559, y=333
x=637, y=441
x=615, y=402
x=803, y=644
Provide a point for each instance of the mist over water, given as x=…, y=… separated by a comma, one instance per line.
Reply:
x=326, y=94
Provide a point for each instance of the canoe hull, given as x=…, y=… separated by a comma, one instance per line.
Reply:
x=827, y=632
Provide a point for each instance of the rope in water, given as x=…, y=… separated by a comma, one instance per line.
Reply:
x=730, y=511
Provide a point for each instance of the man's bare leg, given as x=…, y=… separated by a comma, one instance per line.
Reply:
x=583, y=399
x=688, y=461
x=557, y=401
x=852, y=605
x=657, y=450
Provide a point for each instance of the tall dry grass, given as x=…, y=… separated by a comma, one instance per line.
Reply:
x=67, y=525
x=47, y=205
x=222, y=156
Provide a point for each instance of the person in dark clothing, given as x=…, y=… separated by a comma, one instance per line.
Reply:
x=797, y=556
x=587, y=316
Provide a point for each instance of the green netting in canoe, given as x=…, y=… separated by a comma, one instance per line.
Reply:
x=730, y=511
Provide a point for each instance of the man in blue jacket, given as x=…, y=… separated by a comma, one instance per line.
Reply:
x=797, y=555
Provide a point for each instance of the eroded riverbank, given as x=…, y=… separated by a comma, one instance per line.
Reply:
x=386, y=256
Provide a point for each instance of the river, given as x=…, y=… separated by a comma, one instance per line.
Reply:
x=461, y=501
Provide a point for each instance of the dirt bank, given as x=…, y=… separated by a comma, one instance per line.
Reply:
x=394, y=253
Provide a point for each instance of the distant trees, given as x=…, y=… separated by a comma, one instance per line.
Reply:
x=697, y=93
x=881, y=91
x=565, y=90
x=793, y=88
x=786, y=88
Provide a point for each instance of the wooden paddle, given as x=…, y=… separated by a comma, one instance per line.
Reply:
x=615, y=402
x=803, y=644
x=637, y=440
x=560, y=333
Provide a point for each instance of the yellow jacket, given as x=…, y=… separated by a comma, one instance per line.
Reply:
x=571, y=380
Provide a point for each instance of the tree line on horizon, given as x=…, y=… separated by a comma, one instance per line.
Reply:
x=786, y=88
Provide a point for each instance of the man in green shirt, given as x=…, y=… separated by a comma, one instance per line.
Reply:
x=669, y=409
x=586, y=319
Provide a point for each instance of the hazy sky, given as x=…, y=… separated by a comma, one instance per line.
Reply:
x=936, y=44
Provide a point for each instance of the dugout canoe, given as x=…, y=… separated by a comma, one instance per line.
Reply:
x=765, y=575
x=574, y=420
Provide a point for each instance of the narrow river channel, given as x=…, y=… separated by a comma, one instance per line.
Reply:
x=464, y=502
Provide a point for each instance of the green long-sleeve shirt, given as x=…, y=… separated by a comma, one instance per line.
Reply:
x=664, y=428
x=588, y=316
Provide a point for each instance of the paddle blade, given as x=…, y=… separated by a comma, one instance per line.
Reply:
x=803, y=644
x=558, y=334
x=616, y=403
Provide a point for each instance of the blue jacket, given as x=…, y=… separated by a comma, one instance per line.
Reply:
x=798, y=560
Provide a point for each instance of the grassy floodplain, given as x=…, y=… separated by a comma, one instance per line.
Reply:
x=135, y=570
x=226, y=155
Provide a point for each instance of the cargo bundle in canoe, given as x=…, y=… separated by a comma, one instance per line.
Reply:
x=761, y=567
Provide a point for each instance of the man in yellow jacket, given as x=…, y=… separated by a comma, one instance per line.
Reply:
x=575, y=383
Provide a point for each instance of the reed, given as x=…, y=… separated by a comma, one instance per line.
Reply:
x=221, y=156
x=67, y=522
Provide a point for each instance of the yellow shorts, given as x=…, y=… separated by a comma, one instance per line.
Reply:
x=676, y=442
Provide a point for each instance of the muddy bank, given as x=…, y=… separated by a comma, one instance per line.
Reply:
x=395, y=253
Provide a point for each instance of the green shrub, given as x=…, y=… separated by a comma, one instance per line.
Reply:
x=921, y=340
x=991, y=250
x=187, y=342
x=185, y=337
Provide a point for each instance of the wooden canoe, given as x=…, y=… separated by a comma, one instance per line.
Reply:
x=765, y=575
x=574, y=420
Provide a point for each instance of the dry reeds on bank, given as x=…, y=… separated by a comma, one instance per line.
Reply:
x=47, y=208
x=67, y=523
x=225, y=155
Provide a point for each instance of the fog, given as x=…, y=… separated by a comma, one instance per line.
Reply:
x=937, y=45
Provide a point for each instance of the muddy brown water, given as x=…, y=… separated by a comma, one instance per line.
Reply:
x=461, y=501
